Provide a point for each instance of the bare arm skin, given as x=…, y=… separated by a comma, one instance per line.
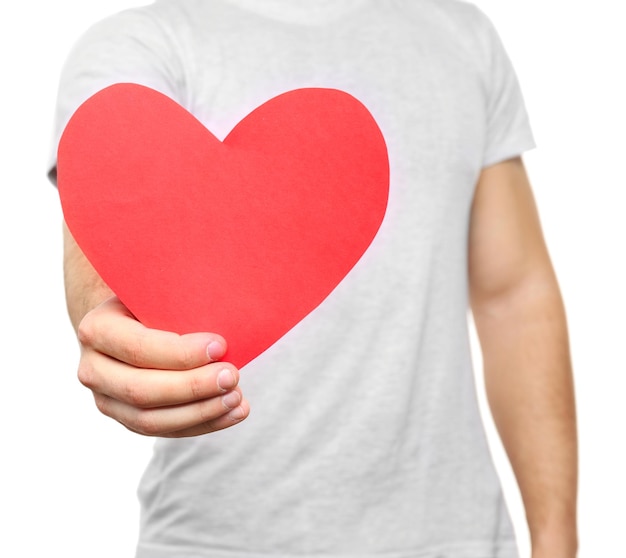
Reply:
x=154, y=382
x=520, y=320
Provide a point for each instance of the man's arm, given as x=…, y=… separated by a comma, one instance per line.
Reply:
x=84, y=289
x=520, y=320
x=154, y=382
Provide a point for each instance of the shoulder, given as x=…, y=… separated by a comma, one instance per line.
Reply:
x=141, y=24
x=459, y=26
x=459, y=21
x=139, y=45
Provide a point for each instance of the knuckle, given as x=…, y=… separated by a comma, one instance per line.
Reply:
x=136, y=395
x=185, y=358
x=86, y=375
x=145, y=422
x=86, y=331
x=102, y=404
x=207, y=411
x=196, y=387
x=136, y=350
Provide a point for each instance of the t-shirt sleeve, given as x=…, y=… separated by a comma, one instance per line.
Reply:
x=131, y=46
x=508, y=130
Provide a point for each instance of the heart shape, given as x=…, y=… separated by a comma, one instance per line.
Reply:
x=243, y=237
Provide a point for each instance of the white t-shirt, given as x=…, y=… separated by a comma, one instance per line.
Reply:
x=364, y=437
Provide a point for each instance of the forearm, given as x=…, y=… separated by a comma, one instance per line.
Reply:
x=84, y=289
x=529, y=386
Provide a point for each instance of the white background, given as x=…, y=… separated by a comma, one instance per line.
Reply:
x=69, y=475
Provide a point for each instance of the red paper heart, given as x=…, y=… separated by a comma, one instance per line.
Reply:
x=243, y=237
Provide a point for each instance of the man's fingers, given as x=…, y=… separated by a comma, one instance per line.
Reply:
x=229, y=419
x=147, y=388
x=154, y=382
x=181, y=420
x=112, y=330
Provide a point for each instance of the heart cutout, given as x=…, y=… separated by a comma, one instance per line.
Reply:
x=243, y=237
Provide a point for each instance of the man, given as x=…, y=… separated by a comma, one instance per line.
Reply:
x=365, y=438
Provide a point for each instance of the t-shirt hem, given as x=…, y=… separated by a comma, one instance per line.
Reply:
x=466, y=549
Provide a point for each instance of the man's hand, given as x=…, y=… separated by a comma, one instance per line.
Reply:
x=154, y=382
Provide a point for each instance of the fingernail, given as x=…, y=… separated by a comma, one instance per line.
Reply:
x=226, y=379
x=237, y=414
x=231, y=400
x=215, y=350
